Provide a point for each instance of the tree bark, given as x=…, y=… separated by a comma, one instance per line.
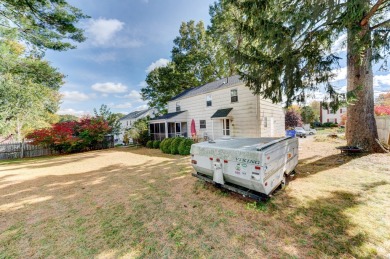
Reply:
x=361, y=129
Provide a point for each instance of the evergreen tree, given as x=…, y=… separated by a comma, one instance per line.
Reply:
x=45, y=24
x=286, y=50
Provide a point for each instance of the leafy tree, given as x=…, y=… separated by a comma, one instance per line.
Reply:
x=307, y=114
x=197, y=58
x=286, y=49
x=68, y=117
x=163, y=83
x=139, y=132
x=45, y=24
x=28, y=90
x=316, y=107
x=292, y=119
x=112, y=118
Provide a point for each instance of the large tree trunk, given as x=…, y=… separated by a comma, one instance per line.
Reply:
x=361, y=127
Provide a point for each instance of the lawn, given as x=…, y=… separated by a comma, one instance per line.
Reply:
x=136, y=202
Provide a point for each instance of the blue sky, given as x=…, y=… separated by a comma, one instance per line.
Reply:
x=126, y=39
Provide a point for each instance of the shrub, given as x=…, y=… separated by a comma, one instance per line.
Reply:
x=185, y=147
x=156, y=144
x=149, y=144
x=162, y=144
x=166, y=148
x=175, y=145
x=329, y=124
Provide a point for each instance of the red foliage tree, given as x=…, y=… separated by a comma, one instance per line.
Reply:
x=382, y=110
x=72, y=136
x=293, y=119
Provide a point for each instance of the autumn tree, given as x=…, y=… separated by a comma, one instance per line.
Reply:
x=292, y=119
x=383, y=99
x=286, y=50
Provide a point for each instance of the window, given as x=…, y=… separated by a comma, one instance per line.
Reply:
x=265, y=122
x=234, y=95
x=226, y=127
x=202, y=124
x=341, y=110
x=177, y=106
x=209, y=101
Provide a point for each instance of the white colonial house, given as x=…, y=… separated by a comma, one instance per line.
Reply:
x=128, y=121
x=327, y=114
x=222, y=108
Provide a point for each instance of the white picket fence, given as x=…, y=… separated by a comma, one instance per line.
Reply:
x=21, y=149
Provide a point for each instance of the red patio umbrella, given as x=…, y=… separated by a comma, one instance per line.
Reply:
x=193, y=128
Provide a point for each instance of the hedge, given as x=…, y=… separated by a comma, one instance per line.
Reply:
x=156, y=144
x=175, y=145
x=149, y=144
x=166, y=146
x=185, y=147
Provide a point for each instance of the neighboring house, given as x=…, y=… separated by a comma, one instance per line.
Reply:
x=128, y=121
x=222, y=108
x=327, y=115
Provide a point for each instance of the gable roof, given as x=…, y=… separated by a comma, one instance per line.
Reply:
x=209, y=87
x=135, y=114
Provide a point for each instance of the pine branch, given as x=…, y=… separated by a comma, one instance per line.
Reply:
x=382, y=24
x=374, y=8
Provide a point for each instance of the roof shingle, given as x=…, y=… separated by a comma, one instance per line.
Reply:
x=209, y=87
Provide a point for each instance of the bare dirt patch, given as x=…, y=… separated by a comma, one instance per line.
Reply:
x=141, y=203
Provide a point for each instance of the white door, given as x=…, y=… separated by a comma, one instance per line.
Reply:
x=271, y=122
x=226, y=127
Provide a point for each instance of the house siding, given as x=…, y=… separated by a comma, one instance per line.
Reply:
x=128, y=123
x=246, y=113
x=327, y=115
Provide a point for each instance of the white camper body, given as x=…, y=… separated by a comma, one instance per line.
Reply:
x=252, y=164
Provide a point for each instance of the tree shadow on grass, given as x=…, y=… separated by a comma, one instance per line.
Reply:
x=306, y=167
x=325, y=226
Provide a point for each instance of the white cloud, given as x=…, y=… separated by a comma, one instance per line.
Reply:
x=341, y=74
x=134, y=96
x=109, y=87
x=72, y=112
x=162, y=62
x=74, y=96
x=142, y=84
x=142, y=107
x=126, y=105
x=105, y=33
x=382, y=80
x=102, y=31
